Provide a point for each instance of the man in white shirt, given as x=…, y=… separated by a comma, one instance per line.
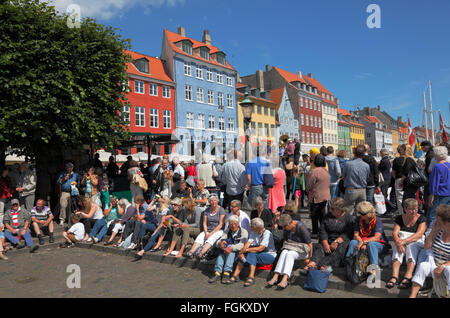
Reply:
x=75, y=233
x=244, y=219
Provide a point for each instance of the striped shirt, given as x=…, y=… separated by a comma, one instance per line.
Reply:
x=42, y=215
x=441, y=250
x=15, y=218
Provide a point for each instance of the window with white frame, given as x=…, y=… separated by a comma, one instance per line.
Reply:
x=230, y=124
x=315, y=122
x=212, y=122
x=219, y=78
x=126, y=114
x=229, y=81
x=272, y=130
x=260, y=129
x=199, y=72
x=311, y=119
x=230, y=103
x=200, y=96
x=154, y=120
x=266, y=130
x=301, y=101
x=307, y=120
x=221, y=124
x=167, y=123
x=153, y=89
x=187, y=47
x=210, y=97
x=220, y=99
x=201, y=121
x=320, y=139
x=315, y=105
x=166, y=91
x=139, y=87
x=320, y=123
x=303, y=136
x=296, y=124
x=139, y=116
x=307, y=138
x=190, y=120
x=188, y=92
x=209, y=75
x=302, y=119
x=187, y=69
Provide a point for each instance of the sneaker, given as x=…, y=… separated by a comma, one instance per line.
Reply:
x=89, y=239
x=3, y=257
x=71, y=245
x=61, y=223
x=51, y=239
x=132, y=246
x=34, y=248
x=95, y=240
x=214, y=279
x=41, y=240
x=20, y=245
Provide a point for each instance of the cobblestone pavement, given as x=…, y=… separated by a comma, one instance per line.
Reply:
x=44, y=274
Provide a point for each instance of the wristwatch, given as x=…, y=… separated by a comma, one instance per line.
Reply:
x=335, y=241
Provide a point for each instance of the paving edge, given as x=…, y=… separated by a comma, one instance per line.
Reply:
x=334, y=282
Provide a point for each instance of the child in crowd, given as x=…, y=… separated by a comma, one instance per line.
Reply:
x=74, y=234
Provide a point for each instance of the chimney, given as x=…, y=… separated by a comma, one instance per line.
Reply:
x=206, y=38
x=260, y=80
x=299, y=73
x=379, y=107
x=310, y=75
x=337, y=101
x=267, y=68
x=181, y=31
x=238, y=78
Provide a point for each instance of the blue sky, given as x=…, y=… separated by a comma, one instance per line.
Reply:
x=367, y=67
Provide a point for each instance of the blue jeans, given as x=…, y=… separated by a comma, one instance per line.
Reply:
x=370, y=191
x=227, y=260
x=333, y=190
x=99, y=230
x=147, y=227
x=259, y=258
x=438, y=200
x=258, y=191
x=151, y=242
x=374, y=249
x=10, y=237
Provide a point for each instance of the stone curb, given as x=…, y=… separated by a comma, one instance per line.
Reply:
x=335, y=282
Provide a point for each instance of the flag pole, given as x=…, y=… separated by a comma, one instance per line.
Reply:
x=431, y=114
x=426, y=116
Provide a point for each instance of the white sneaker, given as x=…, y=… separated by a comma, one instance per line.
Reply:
x=61, y=223
x=132, y=246
x=95, y=240
x=89, y=239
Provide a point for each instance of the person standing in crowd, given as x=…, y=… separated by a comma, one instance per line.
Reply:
x=434, y=162
x=318, y=188
x=313, y=152
x=296, y=151
x=90, y=181
x=65, y=181
x=14, y=175
x=112, y=169
x=125, y=166
x=192, y=171
x=234, y=177
x=276, y=193
x=289, y=172
x=290, y=149
x=42, y=218
x=385, y=169
x=17, y=221
x=256, y=171
x=132, y=172
x=207, y=172
x=427, y=149
x=342, y=161
x=372, y=181
x=103, y=187
x=355, y=174
x=281, y=151
x=439, y=183
x=178, y=170
x=437, y=245
x=409, y=164
x=335, y=171
x=6, y=191
x=26, y=186
x=97, y=163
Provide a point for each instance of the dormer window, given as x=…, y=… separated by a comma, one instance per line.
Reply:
x=142, y=65
x=187, y=47
x=315, y=90
x=204, y=53
x=220, y=58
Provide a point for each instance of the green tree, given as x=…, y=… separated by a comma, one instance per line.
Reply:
x=60, y=87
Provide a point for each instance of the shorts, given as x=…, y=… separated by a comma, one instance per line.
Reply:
x=72, y=238
x=298, y=193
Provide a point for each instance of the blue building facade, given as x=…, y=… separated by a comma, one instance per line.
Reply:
x=205, y=97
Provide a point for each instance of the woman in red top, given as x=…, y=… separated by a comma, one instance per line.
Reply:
x=6, y=190
x=192, y=171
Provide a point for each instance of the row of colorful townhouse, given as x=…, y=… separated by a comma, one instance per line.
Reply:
x=191, y=94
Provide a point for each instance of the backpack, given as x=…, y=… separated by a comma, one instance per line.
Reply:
x=356, y=266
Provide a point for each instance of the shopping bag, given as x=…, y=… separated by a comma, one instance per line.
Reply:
x=380, y=203
x=317, y=280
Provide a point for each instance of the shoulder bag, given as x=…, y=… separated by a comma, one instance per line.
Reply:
x=291, y=245
x=416, y=177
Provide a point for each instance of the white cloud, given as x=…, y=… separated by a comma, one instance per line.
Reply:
x=107, y=9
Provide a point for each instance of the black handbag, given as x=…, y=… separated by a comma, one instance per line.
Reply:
x=416, y=177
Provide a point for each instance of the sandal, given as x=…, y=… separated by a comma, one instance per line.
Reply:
x=156, y=250
x=232, y=280
x=405, y=284
x=282, y=285
x=390, y=284
x=188, y=255
x=250, y=281
x=271, y=283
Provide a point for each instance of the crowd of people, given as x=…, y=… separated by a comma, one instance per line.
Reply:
x=240, y=215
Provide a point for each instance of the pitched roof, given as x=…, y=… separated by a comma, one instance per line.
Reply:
x=344, y=112
x=173, y=38
x=239, y=85
x=289, y=77
x=372, y=119
x=343, y=122
x=156, y=67
x=256, y=98
x=314, y=82
x=276, y=95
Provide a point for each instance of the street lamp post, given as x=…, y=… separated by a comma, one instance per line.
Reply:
x=247, y=110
